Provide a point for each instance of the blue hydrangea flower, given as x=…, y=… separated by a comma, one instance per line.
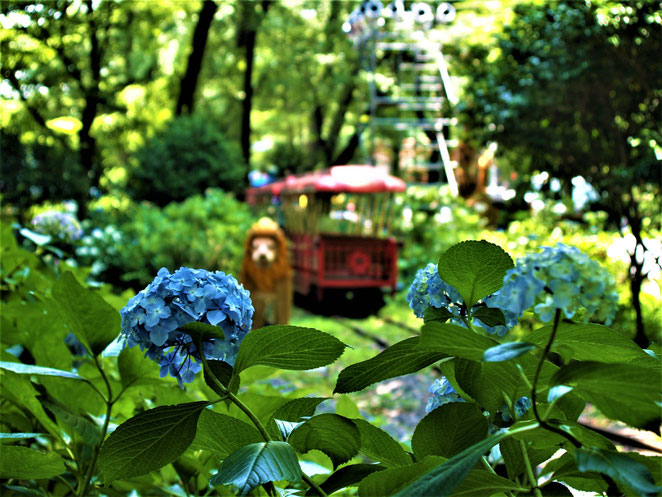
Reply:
x=559, y=277
x=442, y=392
x=59, y=225
x=152, y=319
x=522, y=405
x=429, y=290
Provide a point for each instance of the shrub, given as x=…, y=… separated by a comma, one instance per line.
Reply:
x=205, y=231
x=184, y=159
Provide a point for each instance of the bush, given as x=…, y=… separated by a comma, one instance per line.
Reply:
x=205, y=231
x=184, y=159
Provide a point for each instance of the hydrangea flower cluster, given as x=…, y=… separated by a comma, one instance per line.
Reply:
x=442, y=392
x=59, y=225
x=559, y=277
x=152, y=319
x=429, y=290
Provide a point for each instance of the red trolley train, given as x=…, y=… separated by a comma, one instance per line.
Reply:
x=338, y=222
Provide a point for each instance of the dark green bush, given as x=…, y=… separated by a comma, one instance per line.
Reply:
x=204, y=232
x=185, y=158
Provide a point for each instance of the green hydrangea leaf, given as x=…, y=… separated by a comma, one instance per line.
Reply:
x=618, y=466
x=624, y=392
x=336, y=436
x=94, y=322
x=445, y=478
x=28, y=369
x=256, y=464
x=380, y=446
x=345, y=477
x=489, y=315
x=402, y=358
x=454, y=340
x=432, y=314
x=449, y=429
x=22, y=463
x=149, y=440
x=288, y=347
x=475, y=268
x=222, y=434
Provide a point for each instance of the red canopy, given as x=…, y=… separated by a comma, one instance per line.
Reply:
x=337, y=179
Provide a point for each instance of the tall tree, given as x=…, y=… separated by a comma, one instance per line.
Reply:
x=251, y=15
x=71, y=61
x=575, y=88
x=189, y=83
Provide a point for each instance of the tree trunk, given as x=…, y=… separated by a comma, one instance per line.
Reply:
x=247, y=37
x=186, y=99
x=87, y=143
x=636, y=274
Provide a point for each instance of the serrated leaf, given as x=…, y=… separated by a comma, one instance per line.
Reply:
x=256, y=464
x=475, y=268
x=402, y=358
x=449, y=429
x=18, y=390
x=134, y=368
x=336, y=436
x=224, y=374
x=454, y=340
x=149, y=440
x=345, y=477
x=28, y=369
x=507, y=351
x=589, y=342
x=380, y=446
x=432, y=314
x=288, y=347
x=345, y=406
x=489, y=315
x=296, y=409
x=90, y=432
x=22, y=463
x=618, y=466
x=620, y=391
x=444, y=479
x=222, y=434
x=94, y=322
x=391, y=480
x=201, y=332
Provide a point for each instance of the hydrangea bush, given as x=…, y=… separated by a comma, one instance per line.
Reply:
x=61, y=226
x=504, y=419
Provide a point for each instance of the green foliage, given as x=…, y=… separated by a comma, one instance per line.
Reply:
x=187, y=157
x=26, y=464
x=172, y=438
x=205, y=231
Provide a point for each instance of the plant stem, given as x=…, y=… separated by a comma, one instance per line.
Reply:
x=258, y=424
x=109, y=407
x=529, y=470
x=541, y=421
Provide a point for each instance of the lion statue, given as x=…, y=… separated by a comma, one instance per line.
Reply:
x=266, y=273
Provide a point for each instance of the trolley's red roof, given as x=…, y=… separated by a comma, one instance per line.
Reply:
x=337, y=179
